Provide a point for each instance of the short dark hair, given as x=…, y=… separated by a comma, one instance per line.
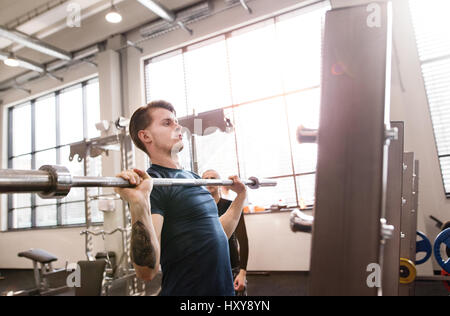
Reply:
x=141, y=119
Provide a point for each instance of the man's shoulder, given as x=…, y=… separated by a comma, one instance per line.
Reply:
x=155, y=173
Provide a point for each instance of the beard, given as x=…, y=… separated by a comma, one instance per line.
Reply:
x=176, y=149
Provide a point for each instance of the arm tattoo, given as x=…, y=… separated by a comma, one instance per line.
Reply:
x=142, y=252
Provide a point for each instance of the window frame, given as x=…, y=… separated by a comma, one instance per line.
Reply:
x=55, y=95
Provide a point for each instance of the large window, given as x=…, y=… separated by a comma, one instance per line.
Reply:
x=40, y=133
x=267, y=79
x=432, y=25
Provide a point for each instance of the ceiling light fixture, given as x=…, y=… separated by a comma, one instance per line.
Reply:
x=113, y=16
x=11, y=61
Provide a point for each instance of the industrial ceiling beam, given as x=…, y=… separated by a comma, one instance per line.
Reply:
x=34, y=43
x=164, y=13
x=23, y=62
x=83, y=55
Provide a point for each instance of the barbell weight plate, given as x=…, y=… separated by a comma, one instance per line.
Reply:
x=408, y=271
x=444, y=227
x=442, y=238
x=423, y=245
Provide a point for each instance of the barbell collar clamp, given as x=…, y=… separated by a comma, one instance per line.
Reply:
x=256, y=184
x=60, y=182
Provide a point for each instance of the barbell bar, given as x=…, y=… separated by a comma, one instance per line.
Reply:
x=55, y=182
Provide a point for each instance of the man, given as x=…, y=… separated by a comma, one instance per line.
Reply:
x=178, y=226
x=238, y=242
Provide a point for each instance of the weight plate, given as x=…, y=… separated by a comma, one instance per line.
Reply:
x=408, y=271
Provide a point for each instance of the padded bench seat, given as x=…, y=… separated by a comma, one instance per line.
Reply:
x=38, y=255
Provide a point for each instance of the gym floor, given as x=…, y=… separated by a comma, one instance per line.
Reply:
x=259, y=284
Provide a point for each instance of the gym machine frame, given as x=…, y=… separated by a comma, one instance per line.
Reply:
x=349, y=226
x=354, y=120
x=121, y=141
x=391, y=259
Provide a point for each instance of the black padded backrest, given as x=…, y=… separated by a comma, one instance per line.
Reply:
x=92, y=273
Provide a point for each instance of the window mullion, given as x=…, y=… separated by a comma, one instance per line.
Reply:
x=10, y=153
x=33, y=159
x=58, y=153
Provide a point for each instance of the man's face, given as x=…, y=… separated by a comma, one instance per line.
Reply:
x=165, y=132
x=212, y=175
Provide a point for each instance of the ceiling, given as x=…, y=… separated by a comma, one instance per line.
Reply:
x=46, y=20
x=11, y=9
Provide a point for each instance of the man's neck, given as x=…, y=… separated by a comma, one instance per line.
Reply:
x=166, y=161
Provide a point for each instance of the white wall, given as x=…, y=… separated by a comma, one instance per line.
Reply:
x=273, y=246
x=65, y=243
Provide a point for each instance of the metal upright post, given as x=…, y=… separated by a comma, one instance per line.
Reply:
x=350, y=179
x=87, y=206
x=407, y=221
x=390, y=271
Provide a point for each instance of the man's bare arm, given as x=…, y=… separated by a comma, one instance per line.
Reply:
x=142, y=251
x=145, y=243
x=230, y=219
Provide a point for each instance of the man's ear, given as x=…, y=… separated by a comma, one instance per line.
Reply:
x=145, y=136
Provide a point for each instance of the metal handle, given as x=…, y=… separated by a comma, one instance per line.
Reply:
x=306, y=135
x=300, y=222
x=102, y=232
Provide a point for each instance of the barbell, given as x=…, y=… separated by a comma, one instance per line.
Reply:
x=55, y=182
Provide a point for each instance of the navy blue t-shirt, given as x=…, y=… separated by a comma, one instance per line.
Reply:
x=195, y=259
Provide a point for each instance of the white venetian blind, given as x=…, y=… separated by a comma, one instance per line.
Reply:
x=432, y=29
